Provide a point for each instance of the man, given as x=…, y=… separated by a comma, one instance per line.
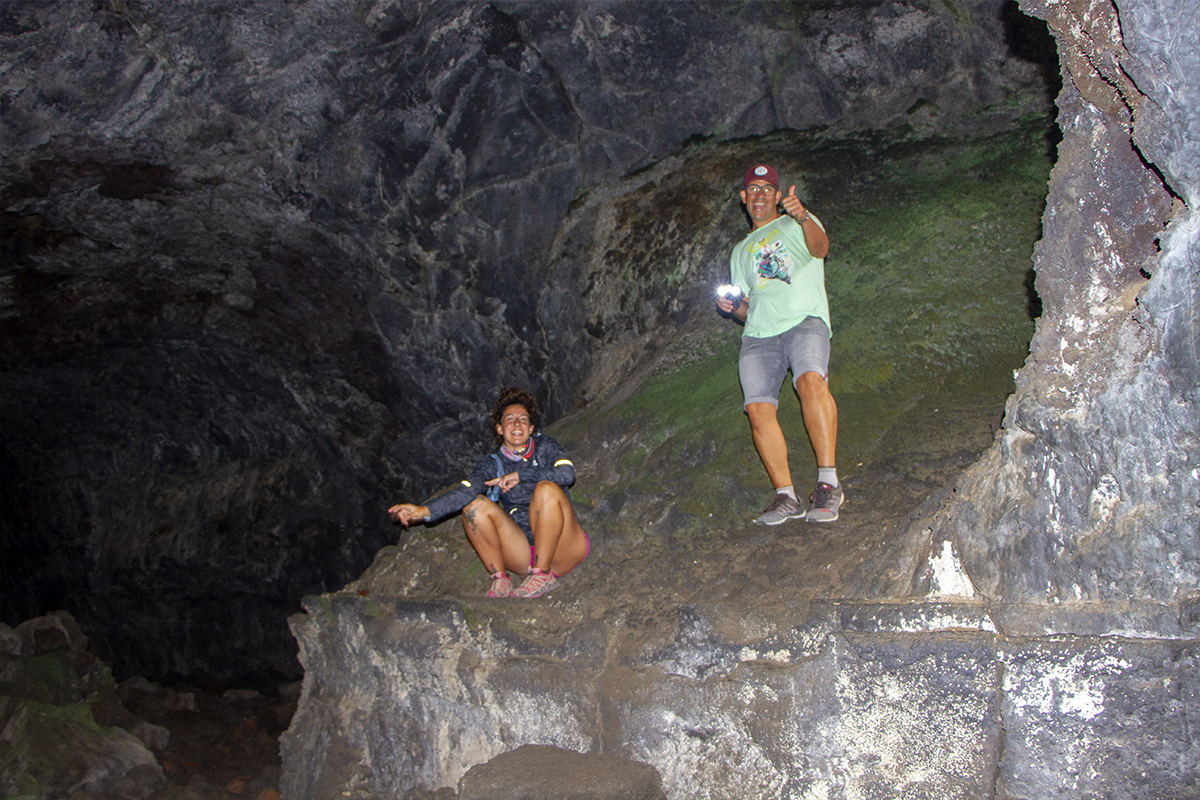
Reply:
x=780, y=270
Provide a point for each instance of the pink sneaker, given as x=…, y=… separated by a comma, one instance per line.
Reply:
x=537, y=584
x=501, y=586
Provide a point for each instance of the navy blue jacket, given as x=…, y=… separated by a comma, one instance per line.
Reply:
x=548, y=462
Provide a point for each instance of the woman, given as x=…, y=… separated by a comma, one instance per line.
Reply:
x=516, y=510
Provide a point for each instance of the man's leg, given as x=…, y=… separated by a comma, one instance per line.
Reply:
x=820, y=419
x=808, y=354
x=498, y=540
x=762, y=366
x=772, y=449
x=820, y=416
x=769, y=442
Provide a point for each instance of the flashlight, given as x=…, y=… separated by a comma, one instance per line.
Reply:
x=734, y=293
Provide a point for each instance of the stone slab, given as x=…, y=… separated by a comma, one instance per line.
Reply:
x=542, y=772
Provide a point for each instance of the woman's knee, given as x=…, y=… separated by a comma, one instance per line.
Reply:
x=547, y=491
x=480, y=503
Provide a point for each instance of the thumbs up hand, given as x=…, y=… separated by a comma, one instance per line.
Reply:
x=815, y=238
x=793, y=206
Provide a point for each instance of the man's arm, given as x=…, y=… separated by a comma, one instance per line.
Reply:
x=739, y=313
x=737, y=307
x=814, y=235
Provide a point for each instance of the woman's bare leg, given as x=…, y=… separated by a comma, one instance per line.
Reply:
x=559, y=539
x=498, y=540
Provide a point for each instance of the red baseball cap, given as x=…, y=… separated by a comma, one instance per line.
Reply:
x=761, y=172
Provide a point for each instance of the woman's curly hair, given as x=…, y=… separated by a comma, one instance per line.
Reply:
x=510, y=396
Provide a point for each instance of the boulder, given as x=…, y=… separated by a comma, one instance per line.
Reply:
x=63, y=732
x=542, y=772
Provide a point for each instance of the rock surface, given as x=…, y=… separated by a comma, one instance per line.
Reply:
x=757, y=697
x=538, y=772
x=264, y=264
x=63, y=728
x=1085, y=512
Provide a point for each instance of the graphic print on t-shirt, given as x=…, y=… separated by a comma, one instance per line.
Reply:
x=770, y=259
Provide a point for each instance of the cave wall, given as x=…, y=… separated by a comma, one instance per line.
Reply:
x=1084, y=516
x=264, y=263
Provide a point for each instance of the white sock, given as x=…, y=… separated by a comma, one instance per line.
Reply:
x=828, y=475
x=790, y=491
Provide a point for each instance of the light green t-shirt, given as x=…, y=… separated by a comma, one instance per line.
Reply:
x=780, y=278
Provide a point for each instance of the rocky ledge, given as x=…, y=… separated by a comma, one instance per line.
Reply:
x=725, y=698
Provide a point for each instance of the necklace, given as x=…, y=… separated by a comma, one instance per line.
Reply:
x=519, y=454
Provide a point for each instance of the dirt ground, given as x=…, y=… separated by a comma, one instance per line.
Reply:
x=226, y=748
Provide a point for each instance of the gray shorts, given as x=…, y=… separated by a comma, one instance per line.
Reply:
x=763, y=363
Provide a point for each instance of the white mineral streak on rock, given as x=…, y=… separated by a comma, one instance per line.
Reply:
x=1105, y=498
x=1074, y=688
x=452, y=27
x=883, y=716
x=750, y=654
x=952, y=622
x=701, y=753
x=949, y=578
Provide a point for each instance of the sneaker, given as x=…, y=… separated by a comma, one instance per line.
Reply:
x=782, y=509
x=501, y=586
x=537, y=584
x=826, y=501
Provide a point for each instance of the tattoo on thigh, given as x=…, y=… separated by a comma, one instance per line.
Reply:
x=469, y=519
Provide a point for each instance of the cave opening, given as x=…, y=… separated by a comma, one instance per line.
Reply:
x=172, y=389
